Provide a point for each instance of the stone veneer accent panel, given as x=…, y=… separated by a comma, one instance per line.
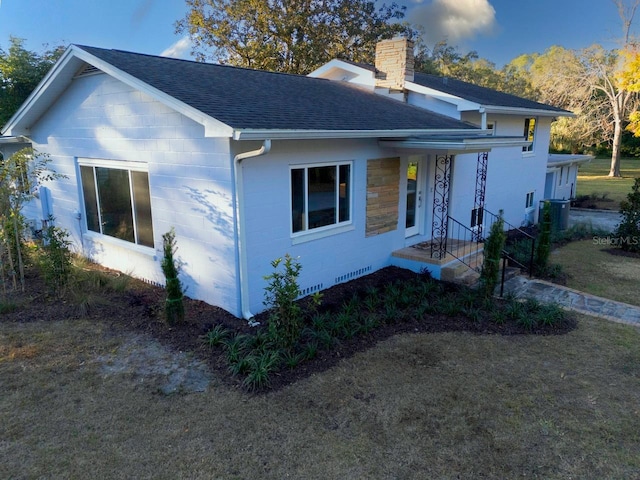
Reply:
x=394, y=63
x=383, y=195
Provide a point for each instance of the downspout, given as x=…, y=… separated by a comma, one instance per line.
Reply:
x=240, y=227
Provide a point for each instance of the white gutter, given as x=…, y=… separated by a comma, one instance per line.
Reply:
x=240, y=227
x=255, y=134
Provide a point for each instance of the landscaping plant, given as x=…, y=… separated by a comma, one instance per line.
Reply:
x=20, y=178
x=55, y=257
x=285, y=319
x=543, y=248
x=628, y=232
x=174, y=306
x=492, y=253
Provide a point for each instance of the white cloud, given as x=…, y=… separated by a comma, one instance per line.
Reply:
x=179, y=49
x=454, y=20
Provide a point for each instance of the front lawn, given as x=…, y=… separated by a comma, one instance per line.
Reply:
x=606, y=192
x=83, y=396
x=595, y=266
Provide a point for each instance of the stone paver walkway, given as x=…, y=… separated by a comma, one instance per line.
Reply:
x=571, y=299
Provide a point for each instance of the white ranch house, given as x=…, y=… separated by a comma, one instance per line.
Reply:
x=346, y=168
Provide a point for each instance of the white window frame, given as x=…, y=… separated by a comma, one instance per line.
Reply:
x=128, y=166
x=531, y=148
x=528, y=203
x=326, y=230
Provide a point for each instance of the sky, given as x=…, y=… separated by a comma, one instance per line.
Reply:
x=499, y=30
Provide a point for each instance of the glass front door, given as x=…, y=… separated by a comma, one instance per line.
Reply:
x=415, y=196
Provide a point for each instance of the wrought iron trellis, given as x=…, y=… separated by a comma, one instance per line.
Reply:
x=440, y=214
x=478, y=203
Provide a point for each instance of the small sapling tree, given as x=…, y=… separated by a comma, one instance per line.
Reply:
x=492, y=253
x=20, y=178
x=543, y=248
x=174, y=306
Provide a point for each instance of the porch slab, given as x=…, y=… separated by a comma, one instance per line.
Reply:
x=421, y=252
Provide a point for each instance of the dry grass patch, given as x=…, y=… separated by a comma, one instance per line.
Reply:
x=600, y=270
x=449, y=405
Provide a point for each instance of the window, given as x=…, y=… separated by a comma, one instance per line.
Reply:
x=529, y=200
x=560, y=176
x=117, y=201
x=320, y=196
x=492, y=126
x=529, y=133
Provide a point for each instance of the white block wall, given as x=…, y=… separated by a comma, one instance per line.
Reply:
x=268, y=207
x=190, y=180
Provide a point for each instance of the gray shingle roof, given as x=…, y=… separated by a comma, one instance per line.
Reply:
x=254, y=99
x=481, y=95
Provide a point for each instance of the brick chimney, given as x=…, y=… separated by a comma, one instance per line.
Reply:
x=394, y=63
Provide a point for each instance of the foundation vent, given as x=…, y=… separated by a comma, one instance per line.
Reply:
x=354, y=274
x=309, y=290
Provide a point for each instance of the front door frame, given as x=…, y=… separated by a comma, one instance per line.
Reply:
x=420, y=196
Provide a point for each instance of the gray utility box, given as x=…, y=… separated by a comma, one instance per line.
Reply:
x=559, y=213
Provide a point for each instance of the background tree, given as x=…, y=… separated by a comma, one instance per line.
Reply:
x=630, y=79
x=587, y=82
x=20, y=72
x=293, y=36
x=446, y=60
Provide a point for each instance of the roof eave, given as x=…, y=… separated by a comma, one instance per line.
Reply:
x=555, y=161
x=539, y=112
x=461, y=104
x=58, y=78
x=15, y=125
x=263, y=134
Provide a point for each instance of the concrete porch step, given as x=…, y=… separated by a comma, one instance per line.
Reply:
x=466, y=273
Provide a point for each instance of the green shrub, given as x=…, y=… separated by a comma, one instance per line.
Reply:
x=285, y=319
x=492, y=253
x=174, y=306
x=55, y=257
x=628, y=232
x=543, y=248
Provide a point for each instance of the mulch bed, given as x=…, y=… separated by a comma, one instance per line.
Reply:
x=140, y=309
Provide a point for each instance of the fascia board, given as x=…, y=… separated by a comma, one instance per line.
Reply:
x=526, y=111
x=461, y=104
x=340, y=65
x=249, y=134
x=62, y=72
x=554, y=162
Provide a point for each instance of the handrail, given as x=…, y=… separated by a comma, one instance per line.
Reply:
x=507, y=224
x=457, y=243
x=511, y=228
